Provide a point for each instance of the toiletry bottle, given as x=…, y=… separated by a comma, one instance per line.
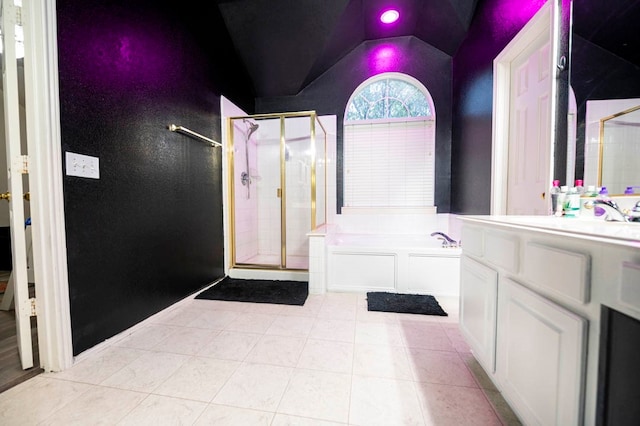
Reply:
x=555, y=191
x=591, y=191
x=572, y=204
x=599, y=212
x=562, y=200
x=582, y=193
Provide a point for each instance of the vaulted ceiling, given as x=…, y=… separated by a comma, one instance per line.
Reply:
x=286, y=44
x=610, y=24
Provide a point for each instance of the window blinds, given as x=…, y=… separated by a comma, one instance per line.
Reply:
x=389, y=164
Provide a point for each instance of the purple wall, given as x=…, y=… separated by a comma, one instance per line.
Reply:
x=495, y=24
x=329, y=94
x=595, y=74
x=148, y=232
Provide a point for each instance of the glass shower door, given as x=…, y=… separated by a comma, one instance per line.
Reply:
x=298, y=160
x=278, y=188
x=256, y=188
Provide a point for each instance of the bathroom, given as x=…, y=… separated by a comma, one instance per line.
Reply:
x=388, y=234
x=151, y=230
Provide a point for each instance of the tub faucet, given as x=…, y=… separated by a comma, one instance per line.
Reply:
x=447, y=241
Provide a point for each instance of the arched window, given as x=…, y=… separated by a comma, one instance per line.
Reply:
x=389, y=144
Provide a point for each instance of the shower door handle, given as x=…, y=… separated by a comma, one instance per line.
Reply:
x=279, y=193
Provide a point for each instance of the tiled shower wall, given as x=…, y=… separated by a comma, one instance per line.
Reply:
x=246, y=202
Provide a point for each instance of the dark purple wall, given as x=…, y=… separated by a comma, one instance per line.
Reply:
x=148, y=232
x=329, y=94
x=495, y=24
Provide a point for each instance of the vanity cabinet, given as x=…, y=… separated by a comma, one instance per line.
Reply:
x=540, y=357
x=532, y=291
x=478, y=309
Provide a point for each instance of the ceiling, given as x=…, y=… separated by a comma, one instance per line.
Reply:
x=610, y=24
x=286, y=44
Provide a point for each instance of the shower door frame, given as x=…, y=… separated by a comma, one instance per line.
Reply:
x=313, y=117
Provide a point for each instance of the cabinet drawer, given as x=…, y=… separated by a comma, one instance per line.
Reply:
x=629, y=293
x=473, y=241
x=560, y=271
x=502, y=250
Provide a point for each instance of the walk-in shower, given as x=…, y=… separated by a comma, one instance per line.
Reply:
x=277, y=188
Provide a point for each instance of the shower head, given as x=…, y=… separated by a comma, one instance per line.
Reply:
x=252, y=127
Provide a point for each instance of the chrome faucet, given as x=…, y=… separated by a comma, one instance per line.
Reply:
x=447, y=241
x=613, y=212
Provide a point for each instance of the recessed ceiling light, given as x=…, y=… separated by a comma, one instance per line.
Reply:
x=389, y=16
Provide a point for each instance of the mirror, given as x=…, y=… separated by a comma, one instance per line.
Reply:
x=612, y=144
x=619, y=141
x=605, y=66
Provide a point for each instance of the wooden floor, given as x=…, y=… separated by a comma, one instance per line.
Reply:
x=11, y=372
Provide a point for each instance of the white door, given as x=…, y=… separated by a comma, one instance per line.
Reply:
x=530, y=130
x=523, y=126
x=16, y=169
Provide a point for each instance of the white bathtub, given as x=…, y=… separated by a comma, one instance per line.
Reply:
x=394, y=262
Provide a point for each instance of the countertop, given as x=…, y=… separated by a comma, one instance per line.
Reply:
x=620, y=233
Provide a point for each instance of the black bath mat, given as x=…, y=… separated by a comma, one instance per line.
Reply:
x=404, y=303
x=258, y=291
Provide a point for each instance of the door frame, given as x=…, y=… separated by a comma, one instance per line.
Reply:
x=46, y=186
x=541, y=25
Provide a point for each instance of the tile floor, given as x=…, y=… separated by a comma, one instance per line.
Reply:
x=329, y=362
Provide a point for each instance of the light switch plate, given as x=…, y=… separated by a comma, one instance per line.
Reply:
x=82, y=165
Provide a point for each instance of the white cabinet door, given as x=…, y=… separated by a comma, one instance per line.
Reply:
x=540, y=357
x=478, y=300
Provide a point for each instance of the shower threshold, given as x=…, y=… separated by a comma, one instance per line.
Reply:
x=268, y=274
x=273, y=261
